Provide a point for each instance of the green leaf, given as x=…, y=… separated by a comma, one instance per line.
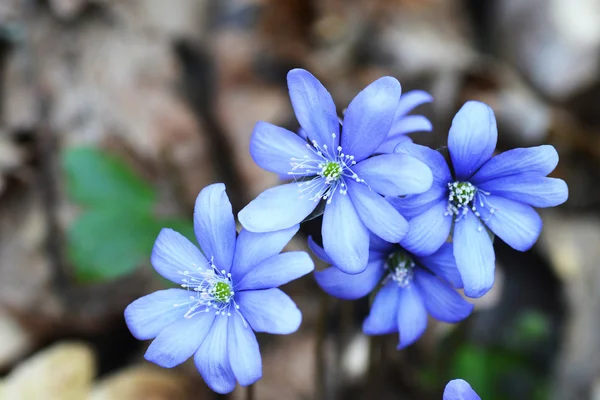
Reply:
x=97, y=178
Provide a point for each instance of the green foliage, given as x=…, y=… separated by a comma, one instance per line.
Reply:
x=116, y=231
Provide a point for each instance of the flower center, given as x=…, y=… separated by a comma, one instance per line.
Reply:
x=222, y=292
x=459, y=196
x=401, y=268
x=331, y=170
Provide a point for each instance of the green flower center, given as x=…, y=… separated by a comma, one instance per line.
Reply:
x=331, y=170
x=401, y=267
x=222, y=292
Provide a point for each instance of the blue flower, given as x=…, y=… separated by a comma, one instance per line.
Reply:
x=337, y=169
x=479, y=191
x=227, y=293
x=409, y=290
x=459, y=389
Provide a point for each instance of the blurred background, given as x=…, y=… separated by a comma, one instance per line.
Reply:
x=115, y=114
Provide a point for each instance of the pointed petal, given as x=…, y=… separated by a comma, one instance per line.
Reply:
x=409, y=124
x=270, y=311
x=442, y=264
x=244, y=355
x=441, y=300
x=318, y=251
x=277, y=208
x=535, y=160
x=472, y=138
x=253, y=248
x=173, y=254
x=474, y=255
x=377, y=214
x=212, y=359
x=275, y=149
x=433, y=158
x=345, y=237
x=395, y=174
x=517, y=224
x=369, y=117
x=458, y=389
x=532, y=189
x=350, y=287
x=275, y=271
x=429, y=231
x=149, y=315
x=314, y=107
x=409, y=101
x=384, y=312
x=412, y=315
x=214, y=225
x=180, y=340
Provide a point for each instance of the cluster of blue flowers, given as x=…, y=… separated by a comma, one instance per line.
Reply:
x=399, y=221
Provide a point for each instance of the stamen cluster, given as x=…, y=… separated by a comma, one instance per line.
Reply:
x=401, y=268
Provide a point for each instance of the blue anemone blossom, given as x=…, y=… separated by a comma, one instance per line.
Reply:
x=409, y=288
x=480, y=192
x=459, y=389
x=227, y=293
x=340, y=170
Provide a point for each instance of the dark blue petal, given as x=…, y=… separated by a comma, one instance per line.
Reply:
x=318, y=251
x=173, y=253
x=270, y=311
x=442, y=264
x=275, y=149
x=253, y=248
x=441, y=300
x=518, y=224
x=377, y=214
x=276, y=208
x=214, y=225
x=428, y=231
x=369, y=117
x=433, y=158
x=532, y=189
x=276, y=271
x=149, y=315
x=212, y=359
x=458, y=389
x=474, y=255
x=383, y=316
x=314, y=107
x=244, y=355
x=180, y=340
x=395, y=174
x=379, y=245
x=472, y=138
x=535, y=160
x=345, y=237
x=409, y=101
x=350, y=287
x=412, y=315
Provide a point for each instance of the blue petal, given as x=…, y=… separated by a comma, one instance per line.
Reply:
x=415, y=204
x=409, y=101
x=395, y=174
x=276, y=208
x=442, y=264
x=429, y=231
x=369, y=117
x=314, y=107
x=441, y=300
x=149, y=315
x=173, y=253
x=410, y=124
x=383, y=316
x=275, y=149
x=350, y=287
x=518, y=224
x=345, y=237
x=412, y=316
x=244, y=355
x=472, y=138
x=379, y=245
x=214, y=225
x=377, y=214
x=180, y=340
x=458, y=389
x=253, y=248
x=474, y=255
x=433, y=158
x=390, y=143
x=532, y=189
x=276, y=271
x=318, y=251
x=212, y=359
x=270, y=311
x=535, y=160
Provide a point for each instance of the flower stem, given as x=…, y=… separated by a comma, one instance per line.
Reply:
x=321, y=331
x=250, y=392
